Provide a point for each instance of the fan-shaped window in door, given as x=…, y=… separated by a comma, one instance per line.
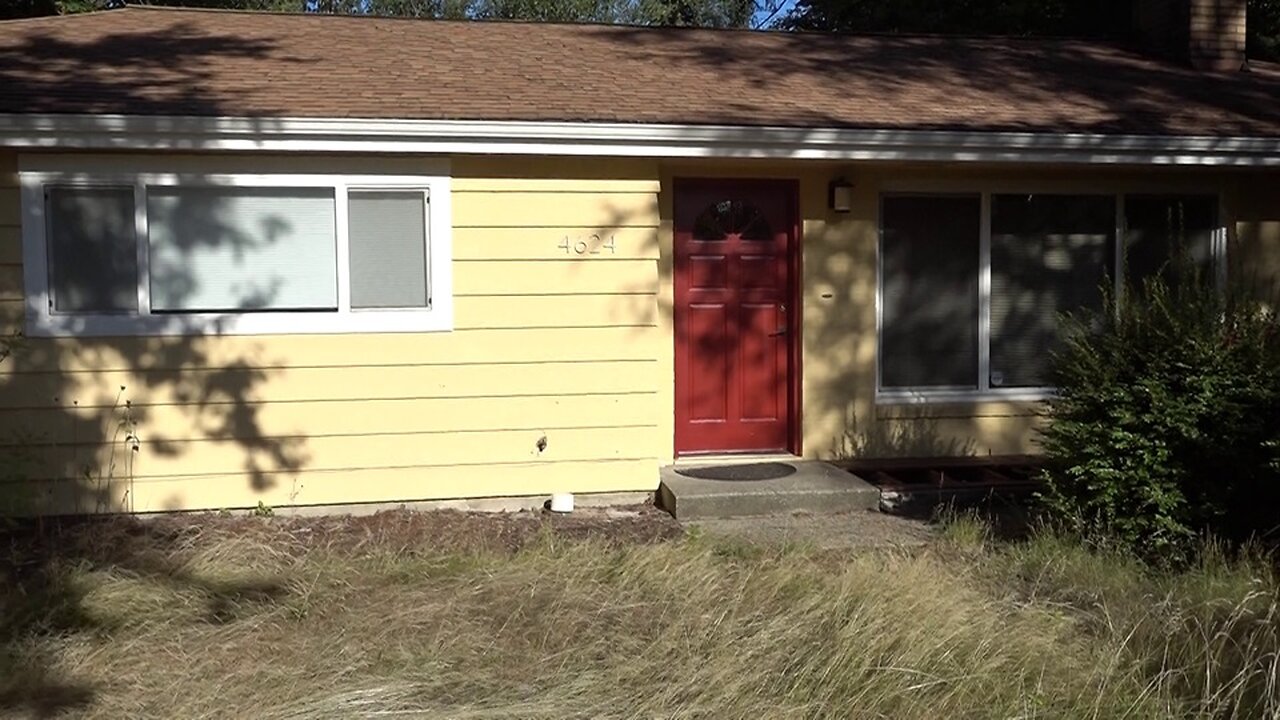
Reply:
x=731, y=218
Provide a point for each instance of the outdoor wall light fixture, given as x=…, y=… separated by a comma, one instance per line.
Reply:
x=840, y=195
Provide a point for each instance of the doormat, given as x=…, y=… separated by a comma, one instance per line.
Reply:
x=748, y=471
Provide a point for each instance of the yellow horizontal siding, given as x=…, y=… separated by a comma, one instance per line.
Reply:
x=11, y=314
x=246, y=384
x=10, y=211
x=549, y=209
x=10, y=245
x=11, y=306
x=547, y=295
x=171, y=458
x=11, y=282
x=579, y=310
x=616, y=307
x=238, y=490
x=497, y=169
x=547, y=340
x=10, y=214
x=591, y=186
x=459, y=347
x=10, y=204
x=558, y=243
x=554, y=277
x=356, y=416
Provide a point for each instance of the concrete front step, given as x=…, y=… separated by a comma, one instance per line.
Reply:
x=815, y=487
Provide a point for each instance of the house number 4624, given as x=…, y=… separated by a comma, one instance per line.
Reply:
x=590, y=245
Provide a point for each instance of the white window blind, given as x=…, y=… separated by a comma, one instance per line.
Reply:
x=929, y=300
x=972, y=289
x=1165, y=229
x=1050, y=254
x=93, y=249
x=387, y=244
x=218, y=248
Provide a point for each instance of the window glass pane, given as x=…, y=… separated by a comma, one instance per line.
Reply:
x=1050, y=254
x=724, y=218
x=93, y=250
x=388, y=248
x=929, y=300
x=1158, y=227
x=242, y=248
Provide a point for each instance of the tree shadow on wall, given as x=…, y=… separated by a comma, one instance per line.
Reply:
x=916, y=433
x=90, y=423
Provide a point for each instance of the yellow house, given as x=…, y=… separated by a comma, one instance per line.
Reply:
x=304, y=260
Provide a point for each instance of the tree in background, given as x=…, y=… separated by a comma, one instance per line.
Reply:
x=35, y=8
x=962, y=17
x=1264, y=29
x=1108, y=19
x=700, y=13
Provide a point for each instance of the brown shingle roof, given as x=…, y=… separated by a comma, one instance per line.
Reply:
x=186, y=62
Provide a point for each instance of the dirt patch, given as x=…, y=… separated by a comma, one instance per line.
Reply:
x=863, y=529
x=458, y=530
x=109, y=539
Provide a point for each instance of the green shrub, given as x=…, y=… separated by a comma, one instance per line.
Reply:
x=1166, y=422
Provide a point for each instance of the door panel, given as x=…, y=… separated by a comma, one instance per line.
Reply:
x=758, y=353
x=708, y=398
x=735, y=388
x=708, y=272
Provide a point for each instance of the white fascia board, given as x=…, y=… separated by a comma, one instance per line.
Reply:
x=123, y=132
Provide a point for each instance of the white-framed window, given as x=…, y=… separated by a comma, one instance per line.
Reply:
x=191, y=245
x=971, y=285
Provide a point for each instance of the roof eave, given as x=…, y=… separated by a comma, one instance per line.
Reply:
x=185, y=133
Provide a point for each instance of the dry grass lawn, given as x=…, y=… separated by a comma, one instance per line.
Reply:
x=454, y=616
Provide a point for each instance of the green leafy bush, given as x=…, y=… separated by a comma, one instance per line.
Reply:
x=1167, y=418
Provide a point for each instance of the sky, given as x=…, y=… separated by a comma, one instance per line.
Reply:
x=762, y=16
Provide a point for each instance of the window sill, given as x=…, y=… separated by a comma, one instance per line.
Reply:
x=264, y=323
x=962, y=403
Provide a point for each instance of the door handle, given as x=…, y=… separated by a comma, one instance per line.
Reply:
x=782, y=330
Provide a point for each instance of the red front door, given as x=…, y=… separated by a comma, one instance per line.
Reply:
x=734, y=320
